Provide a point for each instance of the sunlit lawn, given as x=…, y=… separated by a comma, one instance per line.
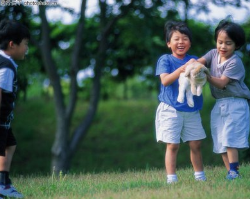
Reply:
x=143, y=184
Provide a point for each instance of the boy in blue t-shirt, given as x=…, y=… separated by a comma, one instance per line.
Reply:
x=174, y=120
x=14, y=39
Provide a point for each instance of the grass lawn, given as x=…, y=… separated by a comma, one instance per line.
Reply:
x=144, y=184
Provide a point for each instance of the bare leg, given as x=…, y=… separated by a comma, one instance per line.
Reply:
x=170, y=158
x=225, y=160
x=5, y=161
x=195, y=155
x=233, y=157
x=232, y=154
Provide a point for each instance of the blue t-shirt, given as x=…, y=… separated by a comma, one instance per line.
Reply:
x=168, y=94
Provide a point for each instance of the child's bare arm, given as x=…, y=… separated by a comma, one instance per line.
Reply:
x=202, y=60
x=169, y=78
x=218, y=82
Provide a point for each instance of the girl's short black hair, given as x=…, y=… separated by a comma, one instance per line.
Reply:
x=233, y=30
x=12, y=31
x=172, y=26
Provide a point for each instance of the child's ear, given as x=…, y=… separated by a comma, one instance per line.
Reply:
x=168, y=44
x=11, y=44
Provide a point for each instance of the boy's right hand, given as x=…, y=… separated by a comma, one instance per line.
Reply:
x=191, y=61
x=182, y=68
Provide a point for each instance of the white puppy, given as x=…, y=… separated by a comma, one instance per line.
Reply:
x=191, y=82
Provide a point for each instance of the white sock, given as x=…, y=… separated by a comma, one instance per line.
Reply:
x=200, y=176
x=172, y=178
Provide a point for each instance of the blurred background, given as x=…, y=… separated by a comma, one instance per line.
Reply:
x=87, y=90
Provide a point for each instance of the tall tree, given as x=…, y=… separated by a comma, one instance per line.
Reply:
x=62, y=148
x=65, y=145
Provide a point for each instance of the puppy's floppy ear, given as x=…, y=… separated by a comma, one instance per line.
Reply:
x=198, y=68
x=206, y=71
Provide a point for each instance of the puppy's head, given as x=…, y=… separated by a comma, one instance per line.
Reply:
x=199, y=70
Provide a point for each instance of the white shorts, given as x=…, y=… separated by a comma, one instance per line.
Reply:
x=230, y=124
x=172, y=125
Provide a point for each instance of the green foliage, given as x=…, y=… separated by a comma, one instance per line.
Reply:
x=246, y=52
x=141, y=184
x=34, y=127
x=201, y=44
x=136, y=42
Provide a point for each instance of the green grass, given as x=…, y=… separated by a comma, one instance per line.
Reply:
x=143, y=184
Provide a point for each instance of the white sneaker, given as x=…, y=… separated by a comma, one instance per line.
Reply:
x=10, y=191
x=200, y=176
x=171, y=179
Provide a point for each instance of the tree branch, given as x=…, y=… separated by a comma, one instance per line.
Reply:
x=82, y=129
x=75, y=61
x=48, y=60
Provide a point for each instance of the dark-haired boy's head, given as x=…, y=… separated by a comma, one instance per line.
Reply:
x=12, y=31
x=173, y=26
x=233, y=30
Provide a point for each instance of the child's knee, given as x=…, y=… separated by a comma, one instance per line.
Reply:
x=173, y=147
x=195, y=145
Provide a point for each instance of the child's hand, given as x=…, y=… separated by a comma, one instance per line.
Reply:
x=182, y=68
x=191, y=61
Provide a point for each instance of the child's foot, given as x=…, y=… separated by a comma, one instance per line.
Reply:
x=200, y=176
x=171, y=179
x=10, y=191
x=232, y=175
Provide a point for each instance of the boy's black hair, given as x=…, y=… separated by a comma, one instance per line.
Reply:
x=12, y=31
x=233, y=30
x=172, y=26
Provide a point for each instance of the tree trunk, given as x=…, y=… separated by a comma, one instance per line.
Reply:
x=64, y=148
x=61, y=151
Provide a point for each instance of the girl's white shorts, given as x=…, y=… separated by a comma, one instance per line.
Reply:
x=172, y=125
x=230, y=124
